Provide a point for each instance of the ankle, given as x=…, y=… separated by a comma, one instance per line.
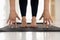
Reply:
x=33, y=19
x=24, y=18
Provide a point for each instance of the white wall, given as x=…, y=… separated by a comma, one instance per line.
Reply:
x=57, y=14
x=4, y=11
x=29, y=14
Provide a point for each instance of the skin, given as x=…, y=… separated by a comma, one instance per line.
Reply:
x=24, y=24
x=33, y=23
x=46, y=15
x=13, y=15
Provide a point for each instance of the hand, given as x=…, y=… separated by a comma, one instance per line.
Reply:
x=12, y=18
x=46, y=18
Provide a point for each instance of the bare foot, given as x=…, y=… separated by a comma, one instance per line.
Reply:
x=33, y=24
x=24, y=24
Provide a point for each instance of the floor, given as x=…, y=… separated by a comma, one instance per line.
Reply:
x=29, y=35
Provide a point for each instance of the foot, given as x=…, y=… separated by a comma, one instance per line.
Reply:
x=24, y=24
x=33, y=24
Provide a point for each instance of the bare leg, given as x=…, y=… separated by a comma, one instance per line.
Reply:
x=33, y=24
x=24, y=24
x=34, y=6
x=23, y=6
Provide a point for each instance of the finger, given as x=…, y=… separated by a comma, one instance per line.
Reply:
x=40, y=17
x=47, y=23
x=16, y=24
x=51, y=20
x=13, y=22
x=10, y=22
x=18, y=17
x=43, y=21
x=7, y=20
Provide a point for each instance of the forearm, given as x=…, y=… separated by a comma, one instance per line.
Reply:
x=12, y=4
x=46, y=5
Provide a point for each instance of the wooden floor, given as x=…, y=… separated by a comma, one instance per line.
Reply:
x=39, y=28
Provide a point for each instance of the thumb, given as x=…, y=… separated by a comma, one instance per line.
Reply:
x=18, y=17
x=41, y=17
x=7, y=20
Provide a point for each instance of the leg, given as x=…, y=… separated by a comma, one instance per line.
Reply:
x=34, y=6
x=23, y=6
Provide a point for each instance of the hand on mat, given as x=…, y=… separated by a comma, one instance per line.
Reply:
x=46, y=18
x=12, y=18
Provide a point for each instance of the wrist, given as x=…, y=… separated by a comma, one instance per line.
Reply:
x=46, y=10
x=12, y=8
